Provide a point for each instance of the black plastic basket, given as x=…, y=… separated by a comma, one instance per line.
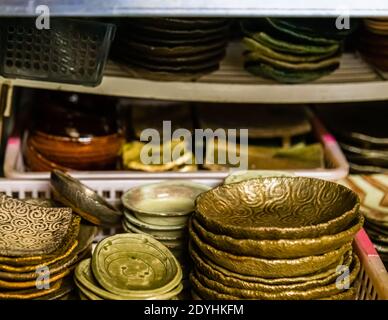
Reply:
x=71, y=51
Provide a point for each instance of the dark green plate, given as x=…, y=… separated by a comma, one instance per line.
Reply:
x=287, y=76
x=183, y=23
x=256, y=47
x=168, y=33
x=170, y=51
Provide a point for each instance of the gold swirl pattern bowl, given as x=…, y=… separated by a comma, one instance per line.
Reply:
x=27, y=229
x=269, y=268
x=209, y=289
x=272, y=208
x=281, y=248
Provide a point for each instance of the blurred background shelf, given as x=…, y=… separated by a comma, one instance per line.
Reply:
x=203, y=8
x=355, y=80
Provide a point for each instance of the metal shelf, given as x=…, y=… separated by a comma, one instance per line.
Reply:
x=355, y=80
x=204, y=8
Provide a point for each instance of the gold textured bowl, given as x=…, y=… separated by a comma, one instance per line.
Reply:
x=277, y=208
x=282, y=248
x=237, y=277
x=313, y=293
x=261, y=284
x=269, y=268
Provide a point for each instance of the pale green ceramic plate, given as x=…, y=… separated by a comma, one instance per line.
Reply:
x=135, y=264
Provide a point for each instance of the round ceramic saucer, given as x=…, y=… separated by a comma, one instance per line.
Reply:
x=135, y=264
x=142, y=224
x=87, y=283
x=161, y=236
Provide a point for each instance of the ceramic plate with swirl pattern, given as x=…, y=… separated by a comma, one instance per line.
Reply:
x=27, y=229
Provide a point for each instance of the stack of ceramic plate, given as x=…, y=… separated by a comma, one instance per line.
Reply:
x=362, y=132
x=374, y=42
x=373, y=192
x=129, y=266
x=71, y=131
x=275, y=238
x=162, y=210
x=171, y=48
x=39, y=248
x=292, y=50
x=279, y=136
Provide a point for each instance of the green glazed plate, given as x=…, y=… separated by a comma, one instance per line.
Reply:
x=288, y=46
x=135, y=264
x=84, y=278
x=287, y=76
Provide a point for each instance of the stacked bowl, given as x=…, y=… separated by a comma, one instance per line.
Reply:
x=71, y=131
x=275, y=238
x=171, y=48
x=373, y=192
x=292, y=50
x=362, y=132
x=129, y=267
x=40, y=246
x=162, y=210
x=374, y=42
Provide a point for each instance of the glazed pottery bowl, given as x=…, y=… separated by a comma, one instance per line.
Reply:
x=173, y=232
x=282, y=248
x=269, y=268
x=313, y=293
x=150, y=265
x=92, y=152
x=238, y=279
x=272, y=208
x=27, y=229
x=166, y=203
x=86, y=202
x=216, y=273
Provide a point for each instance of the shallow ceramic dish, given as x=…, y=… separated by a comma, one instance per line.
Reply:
x=269, y=268
x=256, y=47
x=67, y=286
x=282, y=248
x=164, y=237
x=149, y=264
x=287, y=46
x=313, y=293
x=167, y=32
x=166, y=203
x=83, y=200
x=175, y=51
x=287, y=76
x=84, y=277
x=28, y=294
x=30, y=263
x=27, y=229
x=277, y=208
x=310, y=278
x=175, y=232
x=262, y=285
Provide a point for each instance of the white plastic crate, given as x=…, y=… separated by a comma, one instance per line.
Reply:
x=337, y=165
